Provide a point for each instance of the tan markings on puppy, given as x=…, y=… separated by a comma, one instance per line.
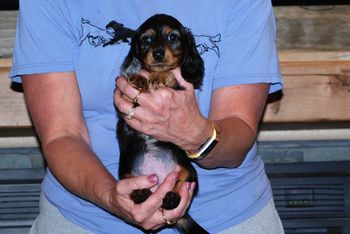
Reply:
x=183, y=177
x=173, y=50
x=161, y=80
x=146, y=39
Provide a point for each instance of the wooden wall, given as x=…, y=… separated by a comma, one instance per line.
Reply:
x=317, y=90
x=314, y=45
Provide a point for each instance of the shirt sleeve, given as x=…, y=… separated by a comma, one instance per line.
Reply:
x=44, y=40
x=249, y=53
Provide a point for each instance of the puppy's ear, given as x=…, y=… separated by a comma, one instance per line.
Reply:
x=192, y=66
x=132, y=64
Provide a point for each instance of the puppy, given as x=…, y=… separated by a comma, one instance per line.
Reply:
x=159, y=45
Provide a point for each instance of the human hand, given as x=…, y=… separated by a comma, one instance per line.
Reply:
x=149, y=214
x=165, y=114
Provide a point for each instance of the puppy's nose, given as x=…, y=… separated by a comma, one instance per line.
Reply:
x=158, y=54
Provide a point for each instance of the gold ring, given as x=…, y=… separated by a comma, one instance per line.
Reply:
x=168, y=222
x=136, y=99
x=131, y=113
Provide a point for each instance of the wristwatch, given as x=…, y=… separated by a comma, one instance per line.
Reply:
x=207, y=146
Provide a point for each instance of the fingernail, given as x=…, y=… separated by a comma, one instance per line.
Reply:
x=176, y=175
x=153, y=178
x=188, y=185
x=193, y=185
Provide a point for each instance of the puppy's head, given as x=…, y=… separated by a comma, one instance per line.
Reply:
x=161, y=43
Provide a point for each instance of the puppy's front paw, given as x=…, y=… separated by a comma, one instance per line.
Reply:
x=171, y=200
x=139, y=82
x=161, y=80
x=140, y=195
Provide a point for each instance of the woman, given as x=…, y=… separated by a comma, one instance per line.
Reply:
x=67, y=63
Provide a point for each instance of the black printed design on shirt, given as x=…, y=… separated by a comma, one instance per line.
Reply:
x=115, y=33
x=208, y=43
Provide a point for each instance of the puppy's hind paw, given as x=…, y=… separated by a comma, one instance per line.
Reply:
x=171, y=200
x=140, y=195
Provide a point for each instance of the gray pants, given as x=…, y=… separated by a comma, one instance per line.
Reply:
x=51, y=221
x=267, y=221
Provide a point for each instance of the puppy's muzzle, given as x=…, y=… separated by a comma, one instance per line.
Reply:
x=158, y=54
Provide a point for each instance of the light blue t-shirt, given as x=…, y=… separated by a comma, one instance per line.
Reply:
x=235, y=38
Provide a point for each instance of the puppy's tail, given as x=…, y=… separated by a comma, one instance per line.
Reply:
x=186, y=225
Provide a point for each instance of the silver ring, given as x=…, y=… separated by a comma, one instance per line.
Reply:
x=131, y=113
x=136, y=99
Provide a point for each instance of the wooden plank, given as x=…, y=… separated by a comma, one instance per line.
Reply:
x=287, y=56
x=18, y=142
x=313, y=92
x=304, y=135
x=317, y=28
x=13, y=110
x=5, y=63
x=264, y=135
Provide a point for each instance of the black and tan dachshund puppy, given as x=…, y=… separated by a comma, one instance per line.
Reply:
x=159, y=45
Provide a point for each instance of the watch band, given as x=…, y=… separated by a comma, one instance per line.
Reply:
x=207, y=146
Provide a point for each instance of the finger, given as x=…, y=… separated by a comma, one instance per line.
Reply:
x=186, y=197
x=126, y=106
x=120, y=82
x=143, y=119
x=119, y=97
x=182, y=82
x=154, y=202
x=157, y=220
x=186, y=193
x=154, y=224
x=144, y=73
x=126, y=88
x=126, y=186
x=136, y=98
x=192, y=187
x=121, y=103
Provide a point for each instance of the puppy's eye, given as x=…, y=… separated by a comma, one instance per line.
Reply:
x=173, y=37
x=146, y=40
